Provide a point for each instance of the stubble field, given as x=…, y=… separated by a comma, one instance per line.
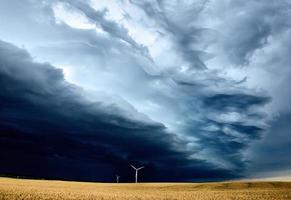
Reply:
x=20, y=189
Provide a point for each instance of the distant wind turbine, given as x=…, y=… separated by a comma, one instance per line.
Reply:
x=136, y=171
x=117, y=178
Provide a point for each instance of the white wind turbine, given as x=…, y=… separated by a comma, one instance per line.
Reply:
x=136, y=171
x=117, y=178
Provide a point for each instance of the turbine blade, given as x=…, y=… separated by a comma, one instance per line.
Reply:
x=140, y=168
x=133, y=167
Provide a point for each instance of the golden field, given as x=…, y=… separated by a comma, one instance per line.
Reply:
x=21, y=189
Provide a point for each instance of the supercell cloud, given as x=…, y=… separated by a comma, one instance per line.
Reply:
x=193, y=90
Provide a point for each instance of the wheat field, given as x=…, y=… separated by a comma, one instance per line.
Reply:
x=20, y=189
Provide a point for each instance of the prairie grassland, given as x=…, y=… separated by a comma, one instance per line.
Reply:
x=19, y=189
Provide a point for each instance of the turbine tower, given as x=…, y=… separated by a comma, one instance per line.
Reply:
x=117, y=178
x=136, y=171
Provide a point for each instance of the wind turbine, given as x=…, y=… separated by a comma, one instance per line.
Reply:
x=117, y=178
x=136, y=171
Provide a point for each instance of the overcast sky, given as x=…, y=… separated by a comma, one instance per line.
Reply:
x=192, y=90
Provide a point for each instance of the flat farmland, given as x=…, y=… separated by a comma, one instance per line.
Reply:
x=22, y=189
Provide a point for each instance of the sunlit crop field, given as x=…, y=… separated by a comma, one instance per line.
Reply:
x=18, y=189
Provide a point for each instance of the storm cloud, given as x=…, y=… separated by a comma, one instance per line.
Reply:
x=47, y=122
x=94, y=86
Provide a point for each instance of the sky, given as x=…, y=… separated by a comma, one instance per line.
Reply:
x=193, y=90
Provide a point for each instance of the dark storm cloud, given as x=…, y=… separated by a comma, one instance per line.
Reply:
x=228, y=141
x=179, y=117
x=221, y=135
x=234, y=102
x=48, y=129
x=225, y=142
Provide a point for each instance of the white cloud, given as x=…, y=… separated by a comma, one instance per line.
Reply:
x=71, y=17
